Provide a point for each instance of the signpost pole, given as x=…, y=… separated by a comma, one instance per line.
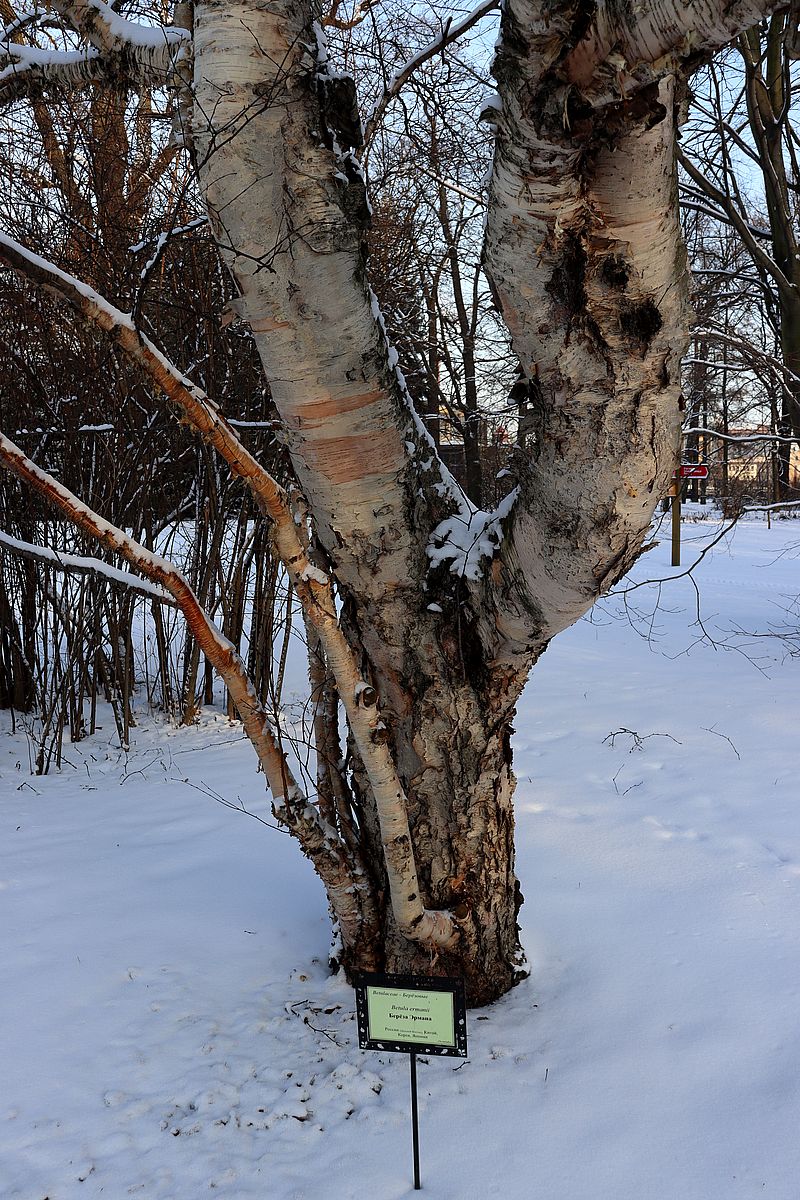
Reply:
x=415, y=1119
x=410, y=1014
x=676, y=522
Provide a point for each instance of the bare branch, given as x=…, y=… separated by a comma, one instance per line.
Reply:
x=332, y=20
x=450, y=33
x=760, y=256
x=451, y=186
x=193, y=403
x=119, y=50
x=317, y=837
x=756, y=438
x=76, y=564
x=220, y=652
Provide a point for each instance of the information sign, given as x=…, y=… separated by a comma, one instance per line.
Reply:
x=691, y=471
x=412, y=1013
x=684, y=471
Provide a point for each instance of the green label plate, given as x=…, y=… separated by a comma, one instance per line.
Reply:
x=412, y=1013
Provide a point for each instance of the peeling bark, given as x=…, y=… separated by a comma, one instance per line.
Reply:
x=599, y=325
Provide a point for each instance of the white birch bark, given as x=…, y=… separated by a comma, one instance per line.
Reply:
x=584, y=249
x=118, y=49
x=288, y=207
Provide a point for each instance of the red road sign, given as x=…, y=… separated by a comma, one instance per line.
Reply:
x=690, y=471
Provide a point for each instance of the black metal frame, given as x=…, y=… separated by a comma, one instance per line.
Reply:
x=420, y=983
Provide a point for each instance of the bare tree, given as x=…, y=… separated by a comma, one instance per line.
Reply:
x=745, y=118
x=731, y=375
x=428, y=612
x=430, y=158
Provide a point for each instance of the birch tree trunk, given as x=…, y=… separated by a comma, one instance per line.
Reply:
x=288, y=204
x=584, y=250
x=444, y=608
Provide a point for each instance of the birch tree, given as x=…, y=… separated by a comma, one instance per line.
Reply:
x=425, y=614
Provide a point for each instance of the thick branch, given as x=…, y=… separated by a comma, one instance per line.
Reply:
x=111, y=33
x=289, y=213
x=585, y=252
x=119, y=51
x=624, y=48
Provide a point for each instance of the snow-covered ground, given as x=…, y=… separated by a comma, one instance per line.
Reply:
x=168, y=1029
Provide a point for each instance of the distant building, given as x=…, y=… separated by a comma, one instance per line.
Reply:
x=749, y=463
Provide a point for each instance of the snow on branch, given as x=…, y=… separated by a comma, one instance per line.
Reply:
x=108, y=31
x=118, y=49
x=198, y=410
x=28, y=65
x=77, y=564
x=20, y=22
x=166, y=235
x=450, y=33
x=453, y=187
x=744, y=439
x=195, y=406
x=771, y=507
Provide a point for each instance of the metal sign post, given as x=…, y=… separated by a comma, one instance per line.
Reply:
x=415, y=1119
x=675, y=493
x=412, y=1014
x=685, y=471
